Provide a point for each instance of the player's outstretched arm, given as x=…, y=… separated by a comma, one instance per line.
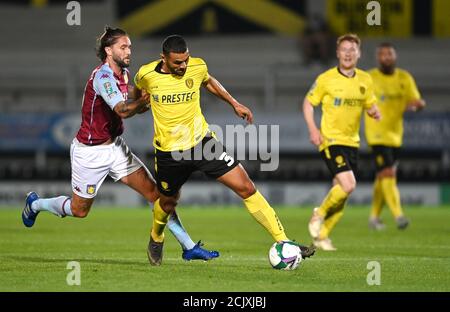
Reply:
x=416, y=105
x=314, y=133
x=128, y=108
x=374, y=112
x=216, y=88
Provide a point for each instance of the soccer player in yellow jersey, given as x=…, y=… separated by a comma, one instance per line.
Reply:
x=344, y=92
x=184, y=143
x=396, y=92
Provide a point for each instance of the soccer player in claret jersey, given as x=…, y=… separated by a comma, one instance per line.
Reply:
x=184, y=143
x=99, y=150
x=344, y=92
x=396, y=93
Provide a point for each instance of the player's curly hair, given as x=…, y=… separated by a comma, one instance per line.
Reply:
x=106, y=39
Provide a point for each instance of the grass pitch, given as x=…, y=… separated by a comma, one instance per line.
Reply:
x=110, y=245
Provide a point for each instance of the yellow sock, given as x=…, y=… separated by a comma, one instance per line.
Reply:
x=377, y=200
x=160, y=219
x=392, y=196
x=331, y=220
x=335, y=197
x=260, y=209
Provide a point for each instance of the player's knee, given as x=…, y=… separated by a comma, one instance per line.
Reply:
x=153, y=195
x=389, y=172
x=349, y=187
x=168, y=204
x=80, y=211
x=247, y=189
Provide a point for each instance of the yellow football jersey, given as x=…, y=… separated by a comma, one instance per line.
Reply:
x=393, y=93
x=343, y=100
x=175, y=102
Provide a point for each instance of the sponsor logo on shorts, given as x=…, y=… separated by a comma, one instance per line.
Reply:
x=340, y=161
x=90, y=189
x=165, y=185
x=380, y=160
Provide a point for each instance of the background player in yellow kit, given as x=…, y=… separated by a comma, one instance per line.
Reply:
x=184, y=143
x=396, y=93
x=344, y=92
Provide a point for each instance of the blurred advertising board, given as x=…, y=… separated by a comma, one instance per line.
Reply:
x=424, y=131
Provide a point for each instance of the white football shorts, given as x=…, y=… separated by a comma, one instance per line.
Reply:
x=91, y=165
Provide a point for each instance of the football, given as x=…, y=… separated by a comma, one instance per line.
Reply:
x=285, y=256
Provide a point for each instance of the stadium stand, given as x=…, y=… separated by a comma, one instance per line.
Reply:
x=46, y=73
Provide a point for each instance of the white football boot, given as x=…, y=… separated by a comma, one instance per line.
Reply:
x=315, y=224
x=376, y=224
x=324, y=244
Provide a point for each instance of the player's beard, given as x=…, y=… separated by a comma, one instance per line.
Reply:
x=387, y=69
x=177, y=72
x=121, y=62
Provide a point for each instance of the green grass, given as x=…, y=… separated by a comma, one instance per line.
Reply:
x=110, y=245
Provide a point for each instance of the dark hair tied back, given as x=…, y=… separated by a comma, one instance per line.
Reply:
x=108, y=38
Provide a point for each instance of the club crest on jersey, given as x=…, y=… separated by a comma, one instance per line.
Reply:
x=90, y=189
x=189, y=83
x=362, y=90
